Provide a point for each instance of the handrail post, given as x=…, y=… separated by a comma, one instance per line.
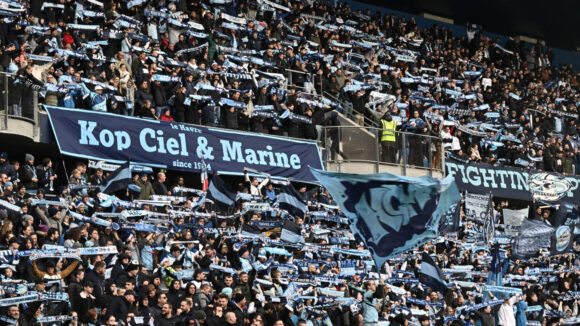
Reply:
x=404, y=154
x=442, y=163
x=6, y=102
x=430, y=163
x=35, y=108
x=326, y=149
x=339, y=163
x=377, y=154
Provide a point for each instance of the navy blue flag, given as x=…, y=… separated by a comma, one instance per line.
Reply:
x=178, y=146
x=450, y=220
x=250, y=230
x=291, y=232
x=495, y=274
x=567, y=214
x=533, y=234
x=220, y=192
x=431, y=275
x=489, y=222
x=567, y=231
x=495, y=271
x=118, y=180
x=392, y=214
x=290, y=200
x=523, y=184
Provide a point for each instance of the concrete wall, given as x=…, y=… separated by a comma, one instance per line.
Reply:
x=370, y=168
x=19, y=127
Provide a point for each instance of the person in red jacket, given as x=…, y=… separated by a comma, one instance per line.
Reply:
x=67, y=39
x=166, y=116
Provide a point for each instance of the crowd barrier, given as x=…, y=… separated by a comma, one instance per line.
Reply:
x=354, y=144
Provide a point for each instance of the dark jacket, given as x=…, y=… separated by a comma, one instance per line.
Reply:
x=162, y=321
x=118, y=307
x=159, y=95
x=82, y=304
x=160, y=188
x=26, y=176
x=485, y=318
x=140, y=97
x=98, y=281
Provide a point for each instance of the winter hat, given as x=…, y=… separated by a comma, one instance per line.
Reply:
x=52, y=211
x=227, y=291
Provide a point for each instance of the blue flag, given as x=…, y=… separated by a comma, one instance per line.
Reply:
x=291, y=232
x=118, y=180
x=290, y=200
x=495, y=274
x=450, y=220
x=567, y=224
x=488, y=222
x=220, y=192
x=431, y=275
x=533, y=235
x=390, y=213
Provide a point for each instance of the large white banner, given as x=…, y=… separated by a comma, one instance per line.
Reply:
x=476, y=207
x=513, y=219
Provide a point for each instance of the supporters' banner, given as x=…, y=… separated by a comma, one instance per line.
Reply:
x=476, y=207
x=391, y=213
x=88, y=251
x=513, y=219
x=54, y=319
x=220, y=192
x=567, y=214
x=502, y=289
x=55, y=253
x=549, y=187
x=567, y=231
x=431, y=275
x=532, y=235
x=450, y=220
x=488, y=228
x=513, y=183
x=291, y=232
x=467, y=309
x=176, y=146
x=289, y=199
x=562, y=240
x=18, y=300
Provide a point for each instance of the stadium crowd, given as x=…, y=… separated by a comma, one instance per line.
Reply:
x=280, y=68
x=160, y=252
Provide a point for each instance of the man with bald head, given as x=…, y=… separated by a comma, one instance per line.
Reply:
x=230, y=318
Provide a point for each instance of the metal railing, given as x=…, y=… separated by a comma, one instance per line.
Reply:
x=342, y=144
x=303, y=86
x=18, y=102
x=350, y=111
x=352, y=144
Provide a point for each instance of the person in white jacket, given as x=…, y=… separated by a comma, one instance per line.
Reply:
x=254, y=185
x=505, y=314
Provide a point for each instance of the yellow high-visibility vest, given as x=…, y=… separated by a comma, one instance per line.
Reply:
x=389, y=128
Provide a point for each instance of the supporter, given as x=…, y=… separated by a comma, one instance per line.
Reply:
x=28, y=173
